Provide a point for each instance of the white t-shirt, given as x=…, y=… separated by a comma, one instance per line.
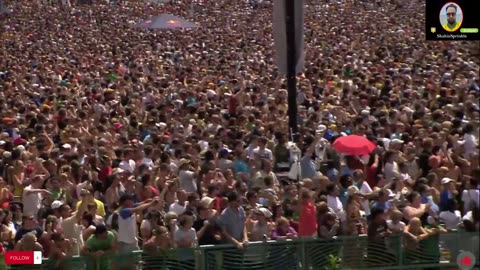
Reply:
x=391, y=171
x=127, y=165
x=127, y=226
x=469, y=196
x=187, y=181
x=336, y=205
x=264, y=154
x=470, y=145
x=399, y=227
x=31, y=202
x=451, y=219
x=365, y=189
x=177, y=208
x=180, y=234
x=72, y=230
x=148, y=162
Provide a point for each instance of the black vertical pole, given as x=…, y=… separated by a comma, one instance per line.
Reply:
x=291, y=66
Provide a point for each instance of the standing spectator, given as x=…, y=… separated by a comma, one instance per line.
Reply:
x=261, y=152
x=127, y=223
x=86, y=198
x=414, y=234
x=258, y=224
x=160, y=241
x=232, y=221
x=152, y=221
x=308, y=215
x=187, y=176
x=5, y=195
x=28, y=242
x=354, y=218
x=180, y=205
x=88, y=226
x=333, y=201
x=395, y=223
x=377, y=233
x=365, y=190
x=29, y=224
x=415, y=209
x=382, y=201
x=450, y=216
x=448, y=193
x=33, y=195
x=330, y=226
x=71, y=227
x=60, y=249
x=471, y=195
x=283, y=230
x=100, y=244
x=185, y=236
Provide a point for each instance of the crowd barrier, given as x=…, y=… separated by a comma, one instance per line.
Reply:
x=346, y=252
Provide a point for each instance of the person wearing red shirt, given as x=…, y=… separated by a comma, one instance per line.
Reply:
x=308, y=215
x=106, y=170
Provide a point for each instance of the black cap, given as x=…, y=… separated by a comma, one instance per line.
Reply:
x=124, y=198
x=232, y=196
x=100, y=229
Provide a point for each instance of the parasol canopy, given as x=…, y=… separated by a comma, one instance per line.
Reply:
x=354, y=145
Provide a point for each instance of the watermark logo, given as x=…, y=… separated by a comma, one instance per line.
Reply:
x=466, y=260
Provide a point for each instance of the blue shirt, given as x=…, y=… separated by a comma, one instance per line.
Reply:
x=444, y=197
x=345, y=170
x=433, y=206
x=125, y=213
x=308, y=167
x=239, y=166
x=233, y=222
x=332, y=174
x=343, y=196
x=378, y=205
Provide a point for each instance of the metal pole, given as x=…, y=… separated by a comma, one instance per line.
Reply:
x=192, y=8
x=291, y=68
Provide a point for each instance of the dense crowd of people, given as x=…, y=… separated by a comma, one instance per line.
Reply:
x=115, y=139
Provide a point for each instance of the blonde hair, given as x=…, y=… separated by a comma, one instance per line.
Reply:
x=397, y=215
x=160, y=231
x=415, y=222
x=29, y=238
x=169, y=216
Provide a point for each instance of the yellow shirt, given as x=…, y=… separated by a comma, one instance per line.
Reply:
x=447, y=28
x=100, y=207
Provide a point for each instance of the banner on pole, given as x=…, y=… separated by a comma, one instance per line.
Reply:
x=280, y=35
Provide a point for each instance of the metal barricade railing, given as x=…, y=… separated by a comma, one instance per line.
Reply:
x=351, y=252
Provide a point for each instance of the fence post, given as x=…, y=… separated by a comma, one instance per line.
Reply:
x=303, y=257
x=400, y=250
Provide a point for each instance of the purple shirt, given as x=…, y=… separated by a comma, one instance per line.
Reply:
x=279, y=232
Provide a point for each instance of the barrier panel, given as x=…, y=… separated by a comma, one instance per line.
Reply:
x=345, y=252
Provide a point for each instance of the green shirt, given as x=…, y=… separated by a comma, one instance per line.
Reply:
x=431, y=244
x=95, y=244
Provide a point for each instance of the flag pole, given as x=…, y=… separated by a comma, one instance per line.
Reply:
x=291, y=69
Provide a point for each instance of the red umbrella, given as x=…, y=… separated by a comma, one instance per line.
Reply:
x=354, y=145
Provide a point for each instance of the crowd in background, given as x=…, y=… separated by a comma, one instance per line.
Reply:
x=115, y=139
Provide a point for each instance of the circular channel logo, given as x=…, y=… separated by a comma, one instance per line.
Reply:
x=466, y=260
